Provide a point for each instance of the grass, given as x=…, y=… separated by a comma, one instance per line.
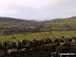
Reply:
x=39, y=35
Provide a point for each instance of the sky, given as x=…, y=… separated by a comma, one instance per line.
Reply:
x=37, y=9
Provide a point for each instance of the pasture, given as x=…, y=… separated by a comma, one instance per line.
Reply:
x=38, y=35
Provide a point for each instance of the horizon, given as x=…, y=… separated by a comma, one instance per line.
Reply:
x=39, y=10
x=37, y=20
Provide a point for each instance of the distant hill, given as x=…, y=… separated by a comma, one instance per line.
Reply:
x=61, y=24
x=7, y=21
x=61, y=19
x=14, y=25
x=11, y=21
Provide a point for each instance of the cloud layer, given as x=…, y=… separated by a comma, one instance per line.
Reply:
x=37, y=9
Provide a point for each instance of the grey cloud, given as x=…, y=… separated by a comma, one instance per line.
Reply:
x=64, y=8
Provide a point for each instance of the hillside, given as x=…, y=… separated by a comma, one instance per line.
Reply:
x=15, y=26
x=61, y=24
x=7, y=21
x=14, y=21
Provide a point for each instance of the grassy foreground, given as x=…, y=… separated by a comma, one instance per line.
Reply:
x=39, y=35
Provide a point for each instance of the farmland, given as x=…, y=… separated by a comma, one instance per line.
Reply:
x=37, y=35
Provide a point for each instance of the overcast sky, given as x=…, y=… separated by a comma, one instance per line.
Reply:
x=38, y=9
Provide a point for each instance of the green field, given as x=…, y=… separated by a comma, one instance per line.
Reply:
x=38, y=35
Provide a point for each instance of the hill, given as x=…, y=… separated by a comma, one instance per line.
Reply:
x=7, y=21
x=15, y=26
x=61, y=24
